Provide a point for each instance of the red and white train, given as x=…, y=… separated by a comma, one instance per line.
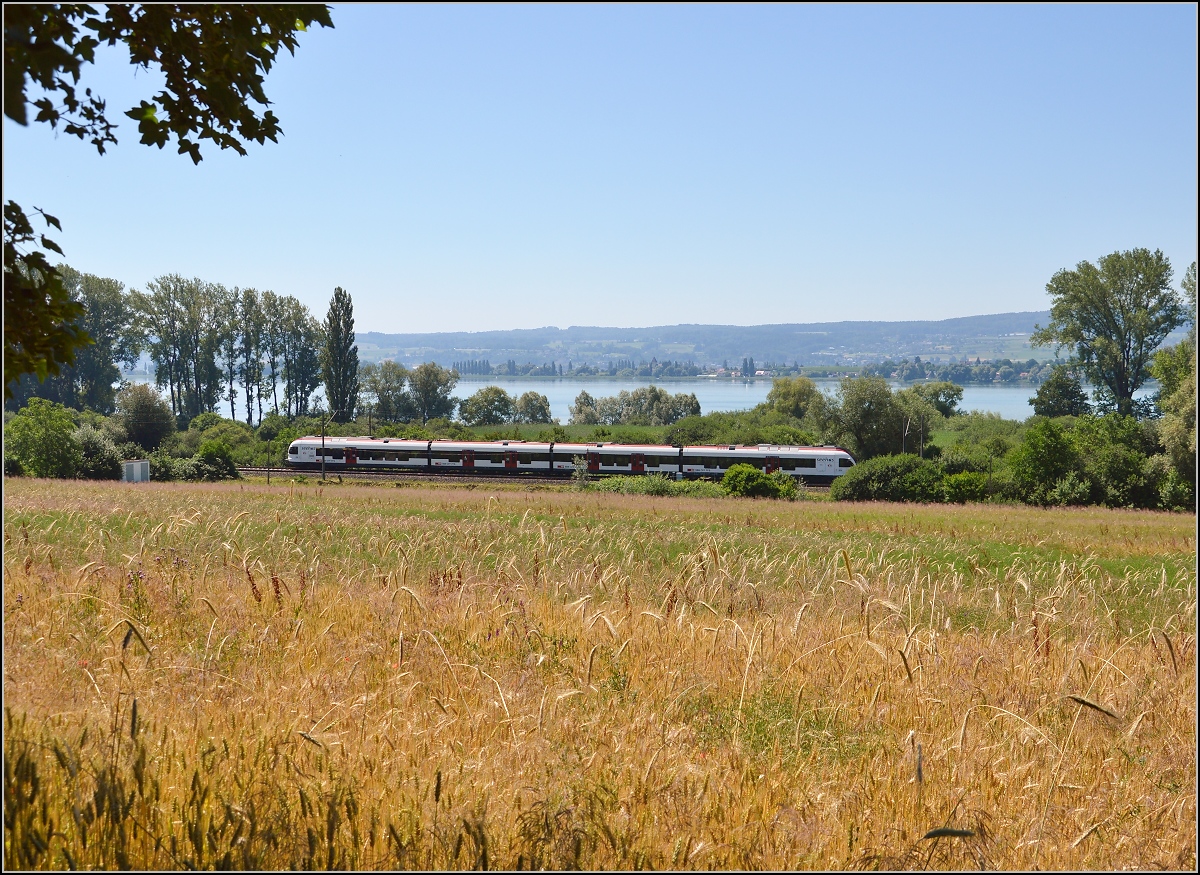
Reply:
x=815, y=465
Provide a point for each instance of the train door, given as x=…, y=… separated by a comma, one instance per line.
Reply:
x=510, y=459
x=351, y=456
x=772, y=464
x=593, y=463
x=637, y=462
x=468, y=460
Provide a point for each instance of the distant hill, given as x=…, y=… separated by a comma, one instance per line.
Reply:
x=1002, y=335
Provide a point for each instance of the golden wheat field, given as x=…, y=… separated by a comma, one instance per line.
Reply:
x=295, y=676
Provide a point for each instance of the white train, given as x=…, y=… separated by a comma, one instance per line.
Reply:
x=815, y=465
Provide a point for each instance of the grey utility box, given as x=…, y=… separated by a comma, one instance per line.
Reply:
x=136, y=471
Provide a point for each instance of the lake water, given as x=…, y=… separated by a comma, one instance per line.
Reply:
x=1011, y=402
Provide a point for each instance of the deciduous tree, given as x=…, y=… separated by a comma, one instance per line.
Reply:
x=383, y=384
x=491, y=405
x=583, y=411
x=533, y=407
x=866, y=413
x=1060, y=395
x=430, y=386
x=1114, y=315
x=89, y=383
x=794, y=396
x=144, y=416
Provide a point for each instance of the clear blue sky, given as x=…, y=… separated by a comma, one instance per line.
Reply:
x=468, y=168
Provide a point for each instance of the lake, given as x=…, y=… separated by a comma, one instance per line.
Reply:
x=1011, y=402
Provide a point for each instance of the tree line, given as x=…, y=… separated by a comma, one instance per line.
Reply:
x=210, y=346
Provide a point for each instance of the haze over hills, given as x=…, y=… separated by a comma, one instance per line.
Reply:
x=1001, y=335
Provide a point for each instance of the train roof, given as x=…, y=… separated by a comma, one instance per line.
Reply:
x=581, y=446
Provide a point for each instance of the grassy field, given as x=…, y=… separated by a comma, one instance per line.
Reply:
x=236, y=675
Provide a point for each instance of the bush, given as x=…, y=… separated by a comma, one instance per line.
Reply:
x=205, y=421
x=163, y=466
x=749, y=482
x=655, y=484
x=958, y=460
x=211, y=463
x=238, y=438
x=1045, y=457
x=271, y=427
x=99, y=457
x=964, y=486
x=1070, y=490
x=41, y=438
x=216, y=462
x=130, y=450
x=890, y=478
x=1174, y=493
x=1113, y=452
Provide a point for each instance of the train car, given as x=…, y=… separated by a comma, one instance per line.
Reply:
x=363, y=452
x=814, y=465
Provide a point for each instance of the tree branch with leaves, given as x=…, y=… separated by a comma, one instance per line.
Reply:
x=214, y=58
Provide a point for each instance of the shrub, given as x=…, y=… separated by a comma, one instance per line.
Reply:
x=1174, y=492
x=130, y=450
x=163, y=466
x=271, y=427
x=958, y=460
x=215, y=462
x=238, y=437
x=964, y=486
x=205, y=421
x=41, y=437
x=1043, y=459
x=100, y=459
x=890, y=478
x=749, y=482
x=1113, y=453
x=1070, y=490
x=656, y=484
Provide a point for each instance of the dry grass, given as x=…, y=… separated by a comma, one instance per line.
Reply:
x=442, y=678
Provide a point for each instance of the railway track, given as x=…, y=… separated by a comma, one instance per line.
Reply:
x=442, y=476
x=418, y=475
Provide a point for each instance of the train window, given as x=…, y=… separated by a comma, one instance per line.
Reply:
x=293, y=451
x=845, y=463
x=525, y=458
x=445, y=455
x=805, y=463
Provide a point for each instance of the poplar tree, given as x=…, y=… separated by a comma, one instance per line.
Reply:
x=339, y=359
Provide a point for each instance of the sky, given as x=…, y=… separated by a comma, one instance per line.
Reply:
x=465, y=168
